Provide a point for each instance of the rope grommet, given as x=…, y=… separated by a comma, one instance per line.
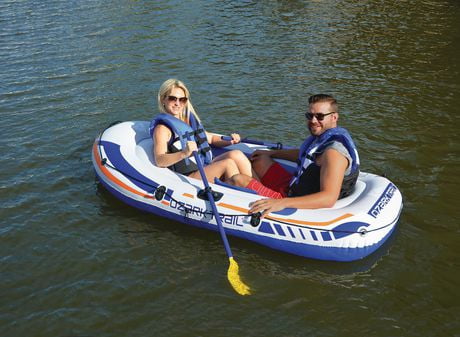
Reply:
x=160, y=192
x=255, y=219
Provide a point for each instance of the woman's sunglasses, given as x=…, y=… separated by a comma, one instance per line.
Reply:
x=182, y=100
x=319, y=116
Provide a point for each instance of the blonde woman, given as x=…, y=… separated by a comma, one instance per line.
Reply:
x=177, y=132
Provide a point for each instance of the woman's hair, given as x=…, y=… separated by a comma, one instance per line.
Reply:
x=324, y=98
x=166, y=89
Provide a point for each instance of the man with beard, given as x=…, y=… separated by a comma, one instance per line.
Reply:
x=327, y=170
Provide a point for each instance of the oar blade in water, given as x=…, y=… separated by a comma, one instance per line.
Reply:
x=235, y=280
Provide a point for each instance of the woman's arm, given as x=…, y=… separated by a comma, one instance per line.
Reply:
x=217, y=141
x=161, y=137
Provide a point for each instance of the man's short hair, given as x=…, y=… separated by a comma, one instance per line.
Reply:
x=318, y=98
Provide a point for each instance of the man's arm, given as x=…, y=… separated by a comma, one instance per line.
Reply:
x=291, y=155
x=333, y=165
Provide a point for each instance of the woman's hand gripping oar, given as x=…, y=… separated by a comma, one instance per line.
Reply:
x=232, y=273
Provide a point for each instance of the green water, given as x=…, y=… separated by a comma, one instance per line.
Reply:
x=74, y=261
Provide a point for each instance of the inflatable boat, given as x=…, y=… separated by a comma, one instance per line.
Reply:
x=353, y=228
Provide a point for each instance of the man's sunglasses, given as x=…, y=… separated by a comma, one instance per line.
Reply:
x=183, y=100
x=319, y=116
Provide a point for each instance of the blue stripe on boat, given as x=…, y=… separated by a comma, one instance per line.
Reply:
x=265, y=227
x=279, y=229
x=301, y=233
x=326, y=236
x=291, y=232
x=313, y=235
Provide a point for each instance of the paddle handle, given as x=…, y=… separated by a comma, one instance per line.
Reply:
x=232, y=273
x=213, y=204
x=277, y=146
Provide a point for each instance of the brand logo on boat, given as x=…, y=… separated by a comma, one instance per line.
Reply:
x=383, y=201
x=189, y=209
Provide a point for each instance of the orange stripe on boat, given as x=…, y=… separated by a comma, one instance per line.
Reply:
x=188, y=195
x=298, y=222
x=235, y=208
x=111, y=177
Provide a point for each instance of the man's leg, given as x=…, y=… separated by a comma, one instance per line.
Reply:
x=261, y=164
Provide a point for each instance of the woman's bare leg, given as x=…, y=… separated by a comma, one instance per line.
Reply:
x=242, y=162
x=222, y=169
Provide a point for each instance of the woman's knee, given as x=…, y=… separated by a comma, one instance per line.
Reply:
x=237, y=156
x=230, y=165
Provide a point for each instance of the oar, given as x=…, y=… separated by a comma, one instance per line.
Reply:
x=277, y=146
x=232, y=273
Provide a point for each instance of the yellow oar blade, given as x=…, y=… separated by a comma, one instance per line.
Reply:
x=235, y=280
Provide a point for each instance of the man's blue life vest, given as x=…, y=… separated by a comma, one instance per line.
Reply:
x=183, y=132
x=307, y=179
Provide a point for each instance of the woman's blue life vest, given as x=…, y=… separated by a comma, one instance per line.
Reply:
x=181, y=133
x=307, y=178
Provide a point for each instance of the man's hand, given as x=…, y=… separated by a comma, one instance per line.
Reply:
x=265, y=206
